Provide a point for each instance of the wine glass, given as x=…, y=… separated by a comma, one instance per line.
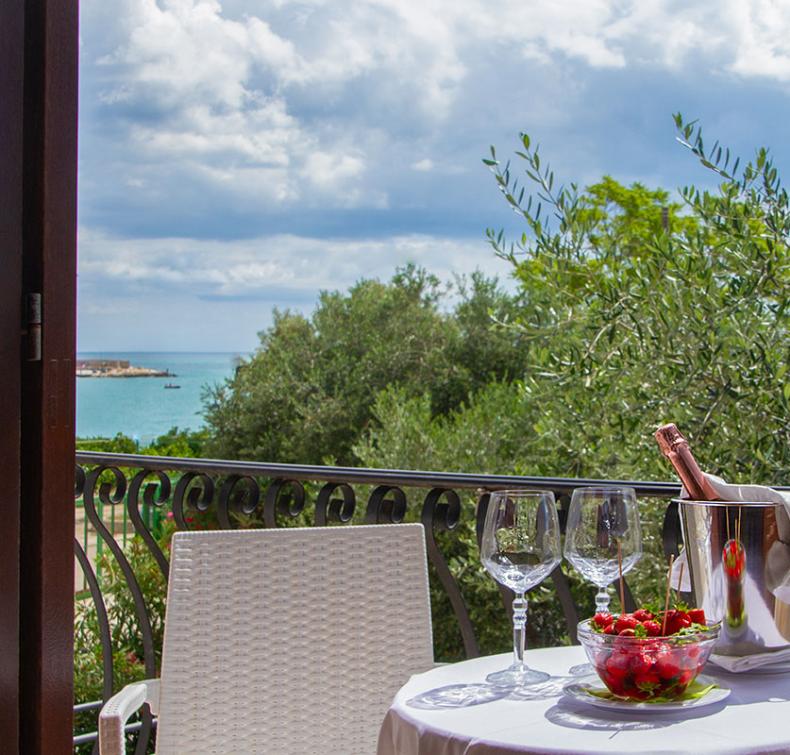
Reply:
x=602, y=537
x=520, y=547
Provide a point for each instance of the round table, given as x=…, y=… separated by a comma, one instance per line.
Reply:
x=755, y=718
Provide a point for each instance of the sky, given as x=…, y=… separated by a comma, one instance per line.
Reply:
x=243, y=155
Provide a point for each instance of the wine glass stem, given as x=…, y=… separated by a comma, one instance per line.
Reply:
x=519, y=629
x=602, y=600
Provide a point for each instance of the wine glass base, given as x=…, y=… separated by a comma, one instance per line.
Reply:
x=581, y=669
x=516, y=676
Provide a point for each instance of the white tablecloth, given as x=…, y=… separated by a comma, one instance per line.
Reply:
x=754, y=719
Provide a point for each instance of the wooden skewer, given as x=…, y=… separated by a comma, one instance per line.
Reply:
x=680, y=579
x=666, y=601
x=620, y=569
x=727, y=519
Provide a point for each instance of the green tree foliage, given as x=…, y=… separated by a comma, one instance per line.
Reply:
x=632, y=324
x=175, y=442
x=636, y=310
x=307, y=393
x=120, y=444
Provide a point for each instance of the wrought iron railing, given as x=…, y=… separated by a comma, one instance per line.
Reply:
x=232, y=494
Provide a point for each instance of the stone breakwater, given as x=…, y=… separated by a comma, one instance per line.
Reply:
x=116, y=368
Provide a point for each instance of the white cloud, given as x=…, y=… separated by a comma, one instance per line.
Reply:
x=423, y=166
x=763, y=43
x=216, y=83
x=282, y=262
x=228, y=87
x=324, y=168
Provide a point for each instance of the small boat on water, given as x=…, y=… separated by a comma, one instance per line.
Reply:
x=171, y=385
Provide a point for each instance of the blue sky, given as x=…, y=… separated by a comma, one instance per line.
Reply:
x=243, y=155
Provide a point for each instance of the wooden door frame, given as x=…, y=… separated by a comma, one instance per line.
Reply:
x=11, y=173
x=38, y=230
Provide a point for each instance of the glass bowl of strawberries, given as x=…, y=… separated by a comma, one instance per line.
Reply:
x=646, y=655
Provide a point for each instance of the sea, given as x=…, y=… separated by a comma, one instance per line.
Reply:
x=141, y=407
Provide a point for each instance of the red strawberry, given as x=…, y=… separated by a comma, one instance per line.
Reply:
x=697, y=616
x=603, y=619
x=626, y=621
x=653, y=628
x=627, y=632
x=618, y=665
x=642, y=614
x=666, y=666
x=734, y=558
x=614, y=683
x=640, y=663
x=676, y=620
x=657, y=647
x=609, y=629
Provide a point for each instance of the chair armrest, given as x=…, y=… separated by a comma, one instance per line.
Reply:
x=119, y=708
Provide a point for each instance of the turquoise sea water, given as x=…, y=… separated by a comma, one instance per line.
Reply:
x=143, y=408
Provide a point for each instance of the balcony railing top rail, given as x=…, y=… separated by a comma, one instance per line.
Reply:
x=363, y=476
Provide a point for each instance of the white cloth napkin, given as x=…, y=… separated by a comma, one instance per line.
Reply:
x=777, y=560
x=778, y=661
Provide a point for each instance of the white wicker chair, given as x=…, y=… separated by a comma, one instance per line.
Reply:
x=284, y=641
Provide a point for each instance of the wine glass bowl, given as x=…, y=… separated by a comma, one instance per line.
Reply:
x=603, y=537
x=519, y=548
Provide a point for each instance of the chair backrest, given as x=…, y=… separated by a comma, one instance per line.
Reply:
x=290, y=641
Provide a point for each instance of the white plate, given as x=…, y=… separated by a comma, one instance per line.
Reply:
x=578, y=691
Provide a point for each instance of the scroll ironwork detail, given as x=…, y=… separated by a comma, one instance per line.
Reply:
x=154, y=494
x=284, y=497
x=387, y=505
x=192, y=497
x=329, y=509
x=239, y=494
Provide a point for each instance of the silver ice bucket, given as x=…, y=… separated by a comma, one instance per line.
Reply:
x=739, y=559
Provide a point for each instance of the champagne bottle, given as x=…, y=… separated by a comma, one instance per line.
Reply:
x=676, y=448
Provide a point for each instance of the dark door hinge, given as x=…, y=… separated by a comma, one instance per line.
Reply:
x=32, y=334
